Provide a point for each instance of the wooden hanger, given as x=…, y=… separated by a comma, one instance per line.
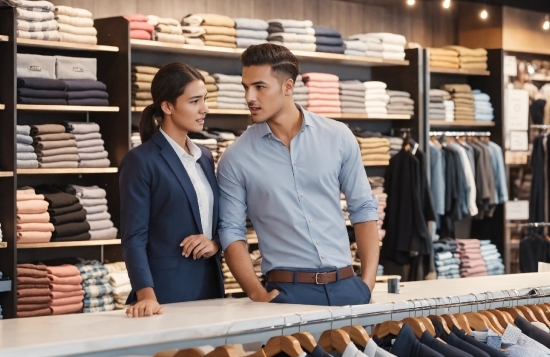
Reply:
x=478, y=321
x=278, y=344
x=223, y=351
x=387, y=328
x=546, y=309
x=539, y=314
x=451, y=321
x=306, y=340
x=512, y=311
x=500, y=316
x=417, y=326
x=442, y=322
x=358, y=335
x=428, y=324
x=189, y=352
x=463, y=321
x=166, y=353
x=493, y=320
x=527, y=313
x=331, y=340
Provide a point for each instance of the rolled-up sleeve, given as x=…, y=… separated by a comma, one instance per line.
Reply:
x=233, y=208
x=362, y=205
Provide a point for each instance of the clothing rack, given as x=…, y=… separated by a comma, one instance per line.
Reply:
x=540, y=126
x=534, y=224
x=460, y=133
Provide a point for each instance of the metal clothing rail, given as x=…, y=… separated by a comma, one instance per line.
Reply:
x=534, y=224
x=540, y=126
x=460, y=133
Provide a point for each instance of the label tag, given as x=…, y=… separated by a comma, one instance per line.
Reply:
x=78, y=69
x=36, y=68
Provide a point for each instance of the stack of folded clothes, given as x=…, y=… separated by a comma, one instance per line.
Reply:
x=344, y=206
x=33, y=290
x=293, y=34
x=26, y=157
x=142, y=77
x=328, y=40
x=324, y=92
x=135, y=139
x=140, y=29
x=33, y=220
x=119, y=279
x=250, y=32
x=384, y=45
x=35, y=20
x=355, y=259
x=470, y=58
x=91, y=152
x=376, y=98
x=39, y=86
x=492, y=257
x=65, y=289
x=210, y=144
x=471, y=260
x=377, y=186
x=166, y=29
x=222, y=146
x=395, y=145
x=442, y=58
x=380, y=270
x=67, y=216
x=53, y=146
x=94, y=201
x=375, y=149
x=193, y=34
x=362, y=45
x=86, y=92
x=300, y=92
x=217, y=30
x=400, y=103
x=447, y=263
x=463, y=98
x=228, y=93
x=257, y=258
x=352, y=97
x=439, y=108
x=482, y=106
x=355, y=48
x=75, y=25
x=98, y=291
x=229, y=281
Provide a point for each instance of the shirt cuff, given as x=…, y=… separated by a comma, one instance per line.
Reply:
x=229, y=237
x=364, y=215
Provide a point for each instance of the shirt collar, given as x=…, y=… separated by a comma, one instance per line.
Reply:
x=264, y=128
x=195, y=150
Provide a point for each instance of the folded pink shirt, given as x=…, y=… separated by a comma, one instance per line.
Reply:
x=323, y=96
x=315, y=84
x=323, y=77
x=63, y=270
x=324, y=109
x=323, y=103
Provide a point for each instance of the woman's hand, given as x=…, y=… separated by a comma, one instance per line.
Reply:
x=147, y=304
x=199, y=246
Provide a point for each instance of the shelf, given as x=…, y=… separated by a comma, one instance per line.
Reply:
x=365, y=116
x=3, y=245
x=4, y=38
x=377, y=163
x=211, y=111
x=463, y=123
x=460, y=72
x=66, y=108
x=84, y=243
x=6, y=173
x=65, y=45
x=234, y=291
x=147, y=45
x=2, y=106
x=80, y=170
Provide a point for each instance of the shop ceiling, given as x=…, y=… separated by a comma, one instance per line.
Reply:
x=535, y=5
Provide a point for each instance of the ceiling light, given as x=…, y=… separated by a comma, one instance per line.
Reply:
x=446, y=4
x=546, y=24
x=483, y=14
x=410, y=2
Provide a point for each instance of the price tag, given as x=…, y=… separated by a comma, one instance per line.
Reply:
x=519, y=141
x=517, y=109
x=517, y=210
x=510, y=67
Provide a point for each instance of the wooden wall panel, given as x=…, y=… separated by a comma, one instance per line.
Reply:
x=522, y=31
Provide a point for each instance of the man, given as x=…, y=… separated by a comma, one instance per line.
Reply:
x=286, y=173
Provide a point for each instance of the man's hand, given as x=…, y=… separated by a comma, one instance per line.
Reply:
x=199, y=246
x=264, y=296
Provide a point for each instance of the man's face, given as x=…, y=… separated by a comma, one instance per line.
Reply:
x=264, y=92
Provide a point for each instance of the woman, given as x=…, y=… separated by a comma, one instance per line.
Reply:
x=169, y=199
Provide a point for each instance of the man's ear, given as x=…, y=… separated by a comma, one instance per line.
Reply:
x=165, y=106
x=288, y=86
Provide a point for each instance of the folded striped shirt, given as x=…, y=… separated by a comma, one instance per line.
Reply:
x=94, y=291
x=110, y=307
x=39, y=35
x=32, y=26
x=99, y=301
x=24, y=14
x=92, y=271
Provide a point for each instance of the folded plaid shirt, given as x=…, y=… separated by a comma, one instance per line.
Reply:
x=99, y=308
x=92, y=270
x=99, y=301
x=96, y=281
x=97, y=290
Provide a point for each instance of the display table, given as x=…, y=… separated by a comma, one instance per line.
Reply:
x=229, y=321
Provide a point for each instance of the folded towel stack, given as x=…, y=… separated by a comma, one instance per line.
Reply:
x=442, y=58
x=300, y=93
x=447, y=263
x=328, y=40
x=216, y=30
x=374, y=150
x=396, y=144
x=91, y=152
x=380, y=44
x=142, y=77
x=119, y=279
x=377, y=186
x=471, y=261
x=441, y=105
x=94, y=201
x=26, y=157
x=135, y=139
x=227, y=93
x=293, y=34
x=33, y=291
x=166, y=29
x=463, y=99
x=400, y=103
x=66, y=214
x=33, y=220
x=323, y=92
x=352, y=97
x=53, y=146
x=250, y=32
x=35, y=20
x=86, y=92
x=376, y=98
x=65, y=289
x=98, y=291
x=470, y=58
x=482, y=106
x=140, y=28
x=75, y=25
x=492, y=258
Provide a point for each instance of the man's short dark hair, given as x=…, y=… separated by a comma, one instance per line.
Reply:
x=281, y=60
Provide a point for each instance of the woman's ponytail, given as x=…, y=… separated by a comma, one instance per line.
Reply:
x=148, y=123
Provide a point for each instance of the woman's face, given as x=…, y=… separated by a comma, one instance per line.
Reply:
x=190, y=108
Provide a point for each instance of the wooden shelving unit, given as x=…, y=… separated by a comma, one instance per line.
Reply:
x=84, y=243
x=4, y=38
x=460, y=72
x=57, y=45
x=3, y=245
x=68, y=171
x=377, y=163
x=2, y=106
x=67, y=108
x=6, y=173
x=461, y=124
x=350, y=116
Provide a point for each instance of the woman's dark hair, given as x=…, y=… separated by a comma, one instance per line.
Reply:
x=168, y=84
x=282, y=61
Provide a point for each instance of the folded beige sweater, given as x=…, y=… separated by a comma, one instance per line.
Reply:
x=464, y=51
x=442, y=52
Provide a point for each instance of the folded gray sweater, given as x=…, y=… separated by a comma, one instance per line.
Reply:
x=76, y=68
x=95, y=163
x=35, y=66
x=250, y=24
x=82, y=128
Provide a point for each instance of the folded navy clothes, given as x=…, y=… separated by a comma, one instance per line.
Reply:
x=41, y=83
x=89, y=101
x=42, y=101
x=41, y=93
x=329, y=49
x=84, y=94
x=326, y=31
x=328, y=41
x=83, y=84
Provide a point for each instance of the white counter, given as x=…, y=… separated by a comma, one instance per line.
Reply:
x=218, y=322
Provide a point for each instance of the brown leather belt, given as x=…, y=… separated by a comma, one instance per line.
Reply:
x=285, y=276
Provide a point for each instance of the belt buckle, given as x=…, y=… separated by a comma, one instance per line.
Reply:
x=317, y=279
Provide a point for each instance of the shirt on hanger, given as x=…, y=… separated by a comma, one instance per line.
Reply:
x=533, y=332
x=514, y=336
x=406, y=344
x=373, y=350
x=318, y=351
x=443, y=348
x=492, y=352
